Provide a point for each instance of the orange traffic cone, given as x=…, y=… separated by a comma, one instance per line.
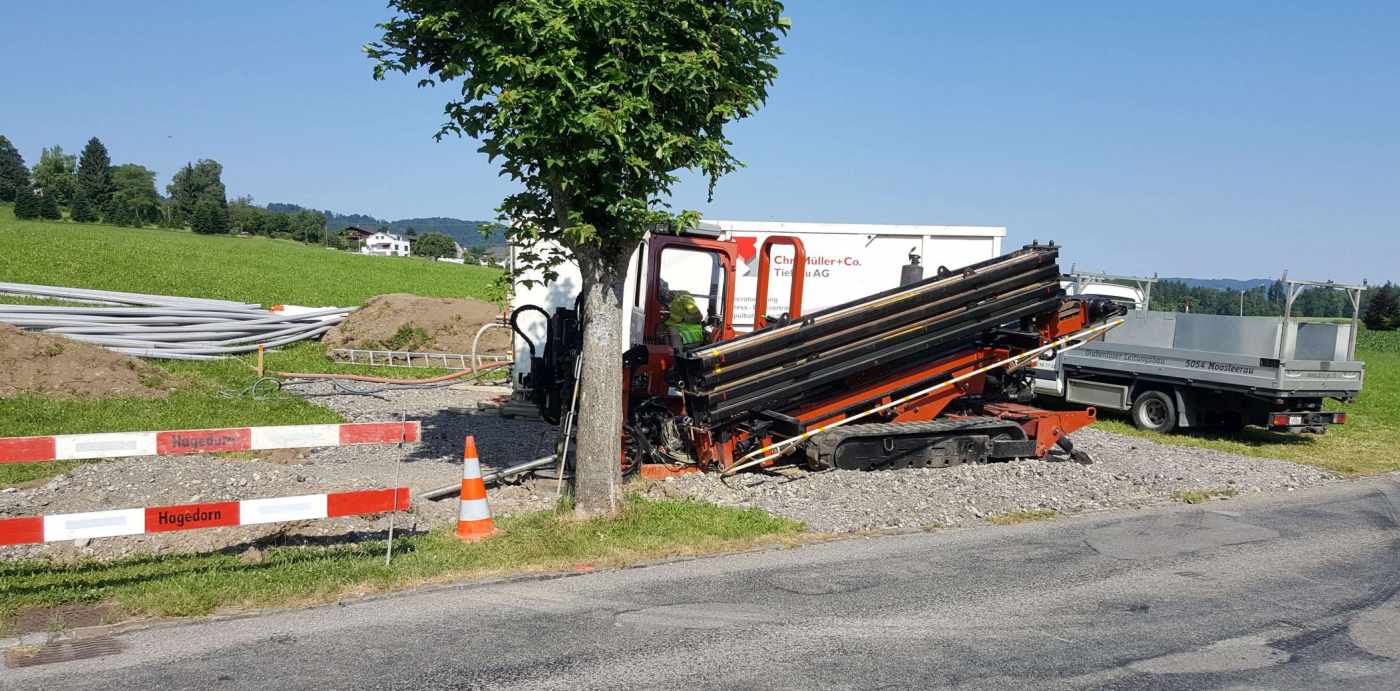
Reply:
x=474, y=517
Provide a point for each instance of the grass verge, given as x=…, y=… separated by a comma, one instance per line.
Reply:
x=249, y=269
x=1367, y=444
x=195, y=585
x=210, y=394
x=1027, y=516
x=1201, y=496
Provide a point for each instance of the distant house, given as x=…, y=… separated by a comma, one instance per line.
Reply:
x=385, y=245
x=357, y=234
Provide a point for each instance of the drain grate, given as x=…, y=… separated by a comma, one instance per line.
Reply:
x=53, y=619
x=62, y=651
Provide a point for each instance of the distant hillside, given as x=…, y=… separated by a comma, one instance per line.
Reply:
x=1234, y=285
x=466, y=233
x=227, y=267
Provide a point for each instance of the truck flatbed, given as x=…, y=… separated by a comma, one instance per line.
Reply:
x=1212, y=369
x=1241, y=353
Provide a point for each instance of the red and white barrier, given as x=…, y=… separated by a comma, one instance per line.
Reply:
x=159, y=519
x=188, y=441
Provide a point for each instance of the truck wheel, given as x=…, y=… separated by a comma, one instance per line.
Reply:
x=1154, y=411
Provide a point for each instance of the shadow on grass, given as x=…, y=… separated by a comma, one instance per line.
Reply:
x=1250, y=436
x=196, y=584
x=97, y=576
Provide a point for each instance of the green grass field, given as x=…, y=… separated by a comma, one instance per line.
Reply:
x=1378, y=342
x=195, y=585
x=261, y=270
x=211, y=394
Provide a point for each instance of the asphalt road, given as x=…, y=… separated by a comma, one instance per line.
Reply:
x=1297, y=591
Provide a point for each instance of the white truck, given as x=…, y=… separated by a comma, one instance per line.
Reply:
x=1175, y=370
x=844, y=262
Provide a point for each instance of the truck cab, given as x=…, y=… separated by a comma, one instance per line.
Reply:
x=698, y=268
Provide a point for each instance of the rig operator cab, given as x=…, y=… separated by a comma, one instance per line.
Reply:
x=683, y=298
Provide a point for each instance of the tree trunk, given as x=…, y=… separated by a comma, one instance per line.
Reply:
x=598, y=466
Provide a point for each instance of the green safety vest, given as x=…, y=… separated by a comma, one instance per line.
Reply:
x=690, y=333
x=685, y=319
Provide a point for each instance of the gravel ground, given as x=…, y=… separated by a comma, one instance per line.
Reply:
x=448, y=414
x=1128, y=472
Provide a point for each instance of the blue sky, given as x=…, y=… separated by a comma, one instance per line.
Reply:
x=1188, y=138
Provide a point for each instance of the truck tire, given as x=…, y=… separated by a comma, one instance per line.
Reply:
x=1154, y=411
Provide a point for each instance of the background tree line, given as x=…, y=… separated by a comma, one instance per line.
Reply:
x=1177, y=296
x=92, y=190
x=1380, y=305
x=89, y=186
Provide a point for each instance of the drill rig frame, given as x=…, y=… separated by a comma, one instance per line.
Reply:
x=921, y=365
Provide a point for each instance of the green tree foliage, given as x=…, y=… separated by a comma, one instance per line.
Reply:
x=192, y=184
x=243, y=217
x=1383, y=308
x=169, y=218
x=134, y=201
x=308, y=226
x=278, y=225
x=1174, y=296
x=48, y=208
x=26, y=203
x=434, y=245
x=14, y=175
x=592, y=107
x=83, y=209
x=54, y=175
x=209, y=217
x=305, y=225
x=94, y=180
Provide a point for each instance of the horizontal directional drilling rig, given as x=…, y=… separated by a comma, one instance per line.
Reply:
x=932, y=373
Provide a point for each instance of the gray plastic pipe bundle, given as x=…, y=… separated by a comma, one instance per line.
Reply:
x=109, y=297
x=164, y=326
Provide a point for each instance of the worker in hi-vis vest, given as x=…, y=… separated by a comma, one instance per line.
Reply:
x=685, y=324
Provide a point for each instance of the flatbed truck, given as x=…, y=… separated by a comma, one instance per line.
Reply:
x=1171, y=371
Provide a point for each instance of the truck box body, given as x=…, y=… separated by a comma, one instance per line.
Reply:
x=1214, y=367
x=1239, y=352
x=844, y=262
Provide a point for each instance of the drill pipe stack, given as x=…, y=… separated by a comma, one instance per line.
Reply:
x=781, y=367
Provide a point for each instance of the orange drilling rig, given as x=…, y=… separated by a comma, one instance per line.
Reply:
x=932, y=373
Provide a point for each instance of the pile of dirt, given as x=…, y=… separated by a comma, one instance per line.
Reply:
x=56, y=367
x=399, y=321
